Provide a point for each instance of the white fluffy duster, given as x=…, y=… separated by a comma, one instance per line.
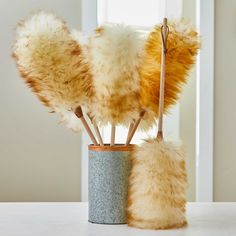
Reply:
x=51, y=62
x=156, y=195
x=115, y=52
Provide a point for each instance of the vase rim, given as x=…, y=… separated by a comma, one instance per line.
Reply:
x=107, y=147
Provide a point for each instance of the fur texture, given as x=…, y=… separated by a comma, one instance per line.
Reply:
x=52, y=63
x=182, y=47
x=156, y=195
x=115, y=52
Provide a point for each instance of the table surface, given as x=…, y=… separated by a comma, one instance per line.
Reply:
x=71, y=219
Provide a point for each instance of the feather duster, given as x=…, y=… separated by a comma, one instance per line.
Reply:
x=52, y=63
x=115, y=52
x=183, y=44
x=157, y=184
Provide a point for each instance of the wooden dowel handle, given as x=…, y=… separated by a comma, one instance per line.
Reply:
x=135, y=126
x=130, y=129
x=89, y=131
x=79, y=114
x=113, y=134
x=164, y=34
x=98, y=134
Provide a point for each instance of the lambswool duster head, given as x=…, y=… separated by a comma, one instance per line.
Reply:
x=157, y=184
x=115, y=54
x=52, y=63
x=156, y=196
x=183, y=44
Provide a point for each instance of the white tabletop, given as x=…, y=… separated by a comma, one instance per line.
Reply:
x=70, y=219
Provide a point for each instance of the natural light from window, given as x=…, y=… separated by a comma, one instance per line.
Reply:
x=133, y=12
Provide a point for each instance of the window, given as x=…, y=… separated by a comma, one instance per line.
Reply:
x=140, y=13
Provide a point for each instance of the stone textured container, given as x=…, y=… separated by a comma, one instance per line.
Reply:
x=109, y=168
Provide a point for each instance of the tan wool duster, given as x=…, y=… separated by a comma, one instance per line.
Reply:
x=52, y=63
x=183, y=44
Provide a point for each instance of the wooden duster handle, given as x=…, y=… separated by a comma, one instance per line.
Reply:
x=164, y=35
x=134, y=128
x=79, y=114
x=98, y=134
x=113, y=135
x=130, y=129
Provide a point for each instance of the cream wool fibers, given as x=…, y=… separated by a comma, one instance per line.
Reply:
x=115, y=52
x=52, y=63
x=157, y=184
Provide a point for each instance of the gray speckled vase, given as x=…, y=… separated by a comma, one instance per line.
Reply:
x=109, y=168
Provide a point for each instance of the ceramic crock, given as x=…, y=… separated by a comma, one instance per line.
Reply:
x=109, y=168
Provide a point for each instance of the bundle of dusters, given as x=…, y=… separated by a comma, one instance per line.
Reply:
x=117, y=76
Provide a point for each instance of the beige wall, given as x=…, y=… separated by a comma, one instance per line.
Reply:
x=225, y=97
x=39, y=159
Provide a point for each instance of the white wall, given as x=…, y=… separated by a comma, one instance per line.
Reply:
x=39, y=159
x=225, y=97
